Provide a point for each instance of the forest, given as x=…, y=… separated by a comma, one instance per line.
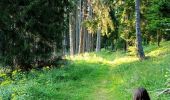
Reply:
x=84, y=49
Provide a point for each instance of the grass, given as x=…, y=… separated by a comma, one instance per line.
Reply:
x=95, y=76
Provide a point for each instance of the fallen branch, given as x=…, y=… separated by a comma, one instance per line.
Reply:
x=165, y=91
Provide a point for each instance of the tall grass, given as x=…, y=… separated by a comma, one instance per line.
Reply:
x=94, y=76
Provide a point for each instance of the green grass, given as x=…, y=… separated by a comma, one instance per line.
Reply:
x=95, y=76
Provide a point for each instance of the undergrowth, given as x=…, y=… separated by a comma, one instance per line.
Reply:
x=94, y=76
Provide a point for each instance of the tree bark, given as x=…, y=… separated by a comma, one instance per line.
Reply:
x=158, y=37
x=78, y=25
x=98, y=42
x=64, y=41
x=140, y=52
x=81, y=37
x=88, y=42
x=90, y=35
x=71, y=35
x=81, y=44
x=83, y=30
x=125, y=45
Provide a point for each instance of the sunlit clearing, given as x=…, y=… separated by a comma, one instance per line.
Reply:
x=158, y=52
x=126, y=59
x=93, y=58
x=88, y=57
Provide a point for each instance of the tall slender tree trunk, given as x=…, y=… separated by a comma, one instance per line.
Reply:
x=77, y=27
x=98, y=42
x=78, y=24
x=71, y=35
x=84, y=40
x=88, y=42
x=64, y=41
x=90, y=35
x=112, y=44
x=125, y=45
x=158, y=37
x=93, y=43
x=140, y=52
x=81, y=41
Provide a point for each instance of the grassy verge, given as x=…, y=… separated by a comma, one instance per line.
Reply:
x=95, y=76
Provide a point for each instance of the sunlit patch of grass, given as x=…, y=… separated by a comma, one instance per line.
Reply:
x=113, y=59
x=123, y=60
x=88, y=57
x=159, y=51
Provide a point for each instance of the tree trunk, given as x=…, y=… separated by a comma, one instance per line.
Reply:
x=71, y=35
x=82, y=31
x=140, y=52
x=84, y=40
x=88, y=42
x=78, y=25
x=64, y=41
x=158, y=37
x=90, y=35
x=98, y=42
x=125, y=45
x=81, y=41
x=91, y=42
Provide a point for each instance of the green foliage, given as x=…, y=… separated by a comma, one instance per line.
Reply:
x=154, y=20
x=101, y=18
x=103, y=75
x=31, y=30
x=91, y=25
x=156, y=13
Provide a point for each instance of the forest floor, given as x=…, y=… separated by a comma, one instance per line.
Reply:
x=95, y=76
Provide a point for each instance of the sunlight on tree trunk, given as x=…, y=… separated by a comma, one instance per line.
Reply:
x=98, y=42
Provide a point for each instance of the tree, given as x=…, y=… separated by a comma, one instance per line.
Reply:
x=98, y=42
x=140, y=52
x=71, y=34
x=78, y=24
x=156, y=18
x=32, y=31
